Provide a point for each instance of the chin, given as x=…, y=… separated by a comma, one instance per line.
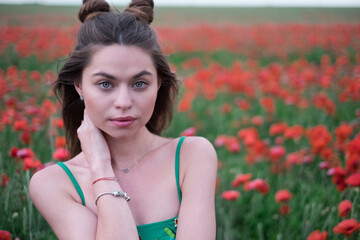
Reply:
x=118, y=134
x=123, y=133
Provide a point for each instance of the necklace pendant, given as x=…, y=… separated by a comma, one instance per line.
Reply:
x=126, y=170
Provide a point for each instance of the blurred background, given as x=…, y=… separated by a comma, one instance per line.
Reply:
x=274, y=85
x=264, y=3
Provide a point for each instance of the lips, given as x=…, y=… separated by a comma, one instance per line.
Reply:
x=127, y=118
x=123, y=121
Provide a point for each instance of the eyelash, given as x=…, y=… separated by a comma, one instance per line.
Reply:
x=102, y=86
x=144, y=84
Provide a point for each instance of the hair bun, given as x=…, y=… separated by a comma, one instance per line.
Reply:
x=92, y=8
x=142, y=9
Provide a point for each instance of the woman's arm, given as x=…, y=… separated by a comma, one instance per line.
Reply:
x=71, y=220
x=114, y=214
x=68, y=218
x=197, y=210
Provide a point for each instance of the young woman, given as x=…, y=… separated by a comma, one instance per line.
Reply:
x=124, y=180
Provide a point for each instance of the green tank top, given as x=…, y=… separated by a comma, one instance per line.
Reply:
x=163, y=230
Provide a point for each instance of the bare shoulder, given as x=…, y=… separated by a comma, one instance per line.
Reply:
x=197, y=142
x=45, y=176
x=198, y=152
x=197, y=209
x=52, y=193
x=45, y=181
x=54, y=176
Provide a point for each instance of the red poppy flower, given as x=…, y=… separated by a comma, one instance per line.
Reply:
x=249, y=136
x=294, y=158
x=294, y=132
x=60, y=142
x=36, y=75
x=283, y=196
x=284, y=209
x=257, y=184
x=30, y=163
x=226, y=108
x=307, y=159
x=189, y=132
x=343, y=132
x=324, y=165
x=243, y=104
x=59, y=123
x=192, y=63
x=21, y=125
x=240, y=179
x=277, y=128
x=352, y=163
x=346, y=227
x=327, y=154
x=353, y=147
x=24, y=153
x=48, y=107
x=61, y=154
x=268, y=104
x=4, y=180
x=185, y=102
x=344, y=208
x=5, y=235
x=279, y=140
x=25, y=137
x=336, y=171
x=277, y=152
x=319, y=137
x=317, y=235
x=353, y=180
x=231, y=195
x=220, y=141
x=322, y=101
x=13, y=152
x=338, y=177
x=232, y=145
x=341, y=186
x=257, y=120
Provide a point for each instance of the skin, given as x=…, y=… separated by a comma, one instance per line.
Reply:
x=122, y=81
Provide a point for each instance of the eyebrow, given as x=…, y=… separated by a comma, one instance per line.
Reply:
x=103, y=74
x=142, y=73
x=109, y=76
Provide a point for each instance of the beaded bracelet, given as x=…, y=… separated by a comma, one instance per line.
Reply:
x=115, y=193
x=106, y=178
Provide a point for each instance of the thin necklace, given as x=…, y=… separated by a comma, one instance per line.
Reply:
x=126, y=170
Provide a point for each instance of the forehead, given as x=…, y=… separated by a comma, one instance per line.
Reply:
x=120, y=60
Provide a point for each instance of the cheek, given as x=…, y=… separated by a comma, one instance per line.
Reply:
x=94, y=109
x=150, y=105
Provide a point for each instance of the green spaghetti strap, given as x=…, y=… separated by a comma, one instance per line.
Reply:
x=177, y=162
x=72, y=178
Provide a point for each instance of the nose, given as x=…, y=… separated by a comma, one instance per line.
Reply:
x=123, y=99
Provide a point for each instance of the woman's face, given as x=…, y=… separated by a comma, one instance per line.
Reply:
x=119, y=87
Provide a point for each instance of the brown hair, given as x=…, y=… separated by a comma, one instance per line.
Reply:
x=103, y=27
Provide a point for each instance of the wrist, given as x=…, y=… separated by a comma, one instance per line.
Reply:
x=101, y=171
x=106, y=179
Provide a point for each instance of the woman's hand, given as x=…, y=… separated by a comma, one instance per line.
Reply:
x=93, y=144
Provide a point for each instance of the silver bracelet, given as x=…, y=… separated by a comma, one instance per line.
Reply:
x=115, y=193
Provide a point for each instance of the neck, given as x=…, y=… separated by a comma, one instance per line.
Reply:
x=125, y=152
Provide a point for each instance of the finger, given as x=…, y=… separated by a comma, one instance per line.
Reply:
x=86, y=116
x=87, y=120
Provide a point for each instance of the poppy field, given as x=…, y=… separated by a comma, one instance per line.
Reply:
x=280, y=101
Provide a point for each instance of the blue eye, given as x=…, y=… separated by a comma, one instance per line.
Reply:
x=140, y=84
x=105, y=85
